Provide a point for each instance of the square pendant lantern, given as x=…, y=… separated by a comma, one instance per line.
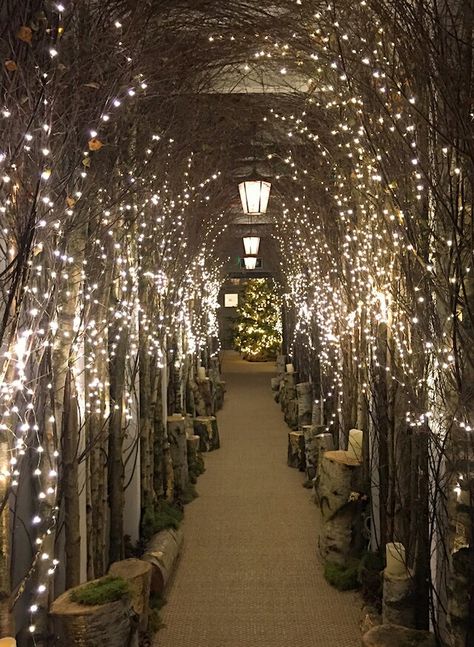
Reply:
x=254, y=195
x=250, y=262
x=251, y=245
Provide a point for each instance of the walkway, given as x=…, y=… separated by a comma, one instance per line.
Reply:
x=249, y=574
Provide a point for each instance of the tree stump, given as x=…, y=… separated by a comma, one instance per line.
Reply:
x=108, y=624
x=189, y=425
x=296, y=453
x=398, y=607
x=396, y=636
x=194, y=458
x=370, y=618
x=311, y=435
x=459, y=583
x=138, y=575
x=304, y=391
x=168, y=470
x=291, y=414
x=324, y=442
x=219, y=391
x=206, y=428
x=275, y=383
x=203, y=397
x=281, y=364
x=162, y=553
x=316, y=413
x=179, y=453
x=288, y=390
x=338, y=511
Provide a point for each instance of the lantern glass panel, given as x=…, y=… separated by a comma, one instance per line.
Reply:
x=250, y=262
x=254, y=195
x=251, y=245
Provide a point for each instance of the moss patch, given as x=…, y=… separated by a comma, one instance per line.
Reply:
x=343, y=578
x=159, y=517
x=196, y=469
x=189, y=494
x=155, y=622
x=107, y=589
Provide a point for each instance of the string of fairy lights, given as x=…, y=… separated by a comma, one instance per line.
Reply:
x=148, y=212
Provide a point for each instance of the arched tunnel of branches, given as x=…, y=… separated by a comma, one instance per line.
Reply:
x=123, y=136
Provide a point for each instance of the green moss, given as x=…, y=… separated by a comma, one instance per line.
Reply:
x=157, y=601
x=196, y=469
x=189, y=494
x=155, y=622
x=343, y=578
x=107, y=589
x=158, y=517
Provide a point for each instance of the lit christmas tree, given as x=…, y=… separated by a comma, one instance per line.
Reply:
x=258, y=327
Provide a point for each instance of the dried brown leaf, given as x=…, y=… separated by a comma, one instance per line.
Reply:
x=25, y=34
x=95, y=144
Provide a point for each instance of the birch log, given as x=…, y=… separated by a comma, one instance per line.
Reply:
x=310, y=433
x=179, y=452
x=162, y=553
x=398, y=600
x=281, y=364
x=324, y=443
x=304, y=391
x=137, y=572
x=296, y=451
x=389, y=635
x=337, y=478
x=203, y=397
x=206, y=428
x=88, y=626
x=459, y=585
x=194, y=457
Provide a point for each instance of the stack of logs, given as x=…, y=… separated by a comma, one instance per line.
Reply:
x=337, y=479
x=119, y=624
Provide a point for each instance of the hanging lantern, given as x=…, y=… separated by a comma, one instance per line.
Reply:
x=251, y=245
x=250, y=262
x=254, y=195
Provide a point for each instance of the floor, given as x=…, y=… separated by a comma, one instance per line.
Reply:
x=249, y=573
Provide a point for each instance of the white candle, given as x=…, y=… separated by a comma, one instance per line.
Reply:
x=354, y=448
x=290, y=368
x=7, y=642
x=201, y=373
x=396, y=560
